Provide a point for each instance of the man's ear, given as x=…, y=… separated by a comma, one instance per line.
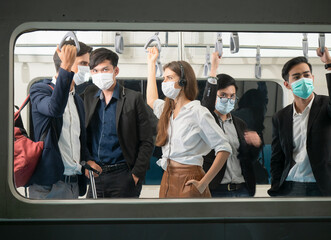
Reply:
x=116, y=71
x=287, y=85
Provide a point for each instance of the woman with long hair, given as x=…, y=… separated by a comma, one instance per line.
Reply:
x=186, y=131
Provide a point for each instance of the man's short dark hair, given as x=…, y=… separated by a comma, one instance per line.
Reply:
x=83, y=50
x=291, y=63
x=101, y=54
x=224, y=81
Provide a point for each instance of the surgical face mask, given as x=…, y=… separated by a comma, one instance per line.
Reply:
x=82, y=75
x=103, y=80
x=224, y=105
x=169, y=90
x=303, y=87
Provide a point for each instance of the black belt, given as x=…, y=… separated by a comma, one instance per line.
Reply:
x=69, y=179
x=232, y=186
x=113, y=167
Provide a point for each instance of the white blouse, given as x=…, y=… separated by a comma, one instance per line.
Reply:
x=191, y=135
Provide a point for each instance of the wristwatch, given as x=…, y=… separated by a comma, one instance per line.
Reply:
x=212, y=80
x=327, y=65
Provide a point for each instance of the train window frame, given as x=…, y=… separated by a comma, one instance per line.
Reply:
x=154, y=209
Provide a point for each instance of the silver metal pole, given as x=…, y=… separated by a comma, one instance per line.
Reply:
x=180, y=46
x=93, y=188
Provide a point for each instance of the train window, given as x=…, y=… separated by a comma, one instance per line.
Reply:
x=33, y=62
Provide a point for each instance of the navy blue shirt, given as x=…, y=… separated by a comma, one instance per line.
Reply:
x=103, y=135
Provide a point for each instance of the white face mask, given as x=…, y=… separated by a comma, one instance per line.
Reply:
x=103, y=80
x=169, y=90
x=82, y=75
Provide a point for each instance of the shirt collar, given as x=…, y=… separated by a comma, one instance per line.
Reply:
x=229, y=118
x=191, y=104
x=116, y=93
x=295, y=113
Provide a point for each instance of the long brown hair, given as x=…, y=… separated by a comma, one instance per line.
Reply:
x=190, y=90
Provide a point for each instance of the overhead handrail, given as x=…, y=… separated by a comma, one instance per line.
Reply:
x=298, y=48
x=234, y=42
x=219, y=44
x=321, y=41
x=119, y=43
x=258, y=63
x=207, y=65
x=305, y=45
x=154, y=38
x=72, y=35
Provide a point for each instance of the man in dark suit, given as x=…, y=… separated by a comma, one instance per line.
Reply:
x=301, y=139
x=58, y=113
x=119, y=129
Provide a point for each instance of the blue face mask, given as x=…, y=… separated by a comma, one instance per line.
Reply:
x=303, y=87
x=224, y=108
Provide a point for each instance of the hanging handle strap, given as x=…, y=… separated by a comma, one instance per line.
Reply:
x=305, y=45
x=234, y=42
x=154, y=38
x=119, y=43
x=158, y=67
x=321, y=42
x=207, y=65
x=258, y=64
x=219, y=44
x=74, y=37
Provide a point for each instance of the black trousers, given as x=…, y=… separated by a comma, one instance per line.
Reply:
x=116, y=184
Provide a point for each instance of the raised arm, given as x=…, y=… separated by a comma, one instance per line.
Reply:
x=325, y=58
x=53, y=103
x=151, y=90
x=210, y=92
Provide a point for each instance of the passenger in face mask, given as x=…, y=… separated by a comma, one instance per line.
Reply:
x=119, y=132
x=186, y=132
x=80, y=67
x=56, y=105
x=236, y=178
x=301, y=145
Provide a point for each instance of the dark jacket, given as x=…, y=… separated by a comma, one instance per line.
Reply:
x=135, y=128
x=318, y=144
x=47, y=108
x=246, y=153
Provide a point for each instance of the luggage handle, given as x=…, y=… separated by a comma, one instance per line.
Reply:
x=90, y=172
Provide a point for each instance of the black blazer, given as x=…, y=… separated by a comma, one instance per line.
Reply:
x=318, y=144
x=246, y=153
x=134, y=123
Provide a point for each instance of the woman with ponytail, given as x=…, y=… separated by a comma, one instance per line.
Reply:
x=186, y=131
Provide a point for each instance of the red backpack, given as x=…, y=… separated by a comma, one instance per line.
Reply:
x=26, y=152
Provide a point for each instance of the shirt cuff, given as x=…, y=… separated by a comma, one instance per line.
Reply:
x=328, y=71
x=212, y=80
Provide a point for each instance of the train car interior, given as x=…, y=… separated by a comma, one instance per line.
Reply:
x=253, y=59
